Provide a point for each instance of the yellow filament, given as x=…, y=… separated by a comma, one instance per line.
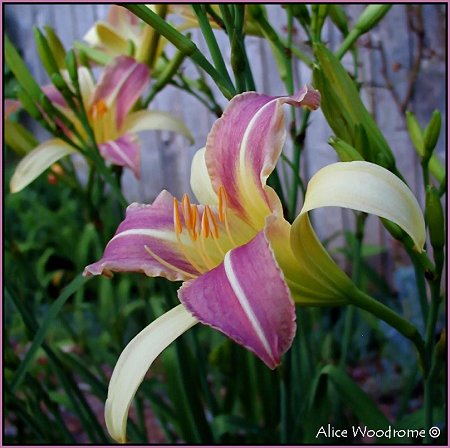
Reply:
x=168, y=265
x=211, y=220
x=186, y=254
x=205, y=257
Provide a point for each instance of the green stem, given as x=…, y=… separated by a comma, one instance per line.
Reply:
x=211, y=41
x=356, y=277
x=183, y=44
x=409, y=331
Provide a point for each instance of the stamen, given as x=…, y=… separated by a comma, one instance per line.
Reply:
x=187, y=211
x=205, y=257
x=205, y=224
x=176, y=217
x=187, y=256
x=168, y=265
x=99, y=108
x=212, y=220
x=223, y=202
x=194, y=223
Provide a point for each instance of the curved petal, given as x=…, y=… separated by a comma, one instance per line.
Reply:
x=121, y=18
x=369, y=188
x=146, y=226
x=122, y=82
x=246, y=298
x=146, y=120
x=243, y=147
x=312, y=276
x=37, y=161
x=134, y=363
x=104, y=35
x=124, y=151
x=200, y=180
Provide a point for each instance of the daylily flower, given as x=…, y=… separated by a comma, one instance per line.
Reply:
x=113, y=36
x=243, y=265
x=109, y=108
x=122, y=33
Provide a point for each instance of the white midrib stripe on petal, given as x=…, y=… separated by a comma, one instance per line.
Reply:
x=159, y=234
x=121, y=153
x=245, y=304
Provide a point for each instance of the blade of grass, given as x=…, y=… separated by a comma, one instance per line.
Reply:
x=53, y=311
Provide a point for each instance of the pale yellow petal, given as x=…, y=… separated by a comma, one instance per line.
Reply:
x=200, y=180
x=146, y=120
x=104, y=36
x=368, y=188
x=312, y=276
x=134, y=362
x=37, y=161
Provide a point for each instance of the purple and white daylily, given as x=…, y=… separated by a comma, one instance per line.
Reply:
x=243, y=265
x=109, y=108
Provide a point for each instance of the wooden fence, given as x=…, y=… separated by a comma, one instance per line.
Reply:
x=402, y=65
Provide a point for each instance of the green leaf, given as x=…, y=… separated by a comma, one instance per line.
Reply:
x=361, y=405
x=20, y=70
x=40, y=334
x=343, y=108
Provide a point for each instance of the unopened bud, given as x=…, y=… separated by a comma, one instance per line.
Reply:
x=431, y=134
x=71, y=65
x=56, y=46
x=415, y=132
x=434, y=216
x=346, y=152
x=371, y=16
x=45, y=53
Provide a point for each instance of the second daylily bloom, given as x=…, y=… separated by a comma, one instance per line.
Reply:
x=243, y=265
x=109, y=107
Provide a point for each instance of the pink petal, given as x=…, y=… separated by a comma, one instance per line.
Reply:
x=124, y=151
x=246, y=298
x=119, y=16
x=151, y=226
x=122, y=83
x=244, y=145
x=54, y=95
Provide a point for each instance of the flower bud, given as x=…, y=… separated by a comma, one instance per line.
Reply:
x=371, y=16
x=71, y=65
x=337, y=15
x=56, y=46
x=415, y=132
x=45, y=52
x=434, y=216
x=345, y=152
x=431, y=134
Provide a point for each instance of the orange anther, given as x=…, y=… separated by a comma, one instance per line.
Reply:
x=194, y=220
x=176, y=217
x=205, y=224
x=223, y=203
x=187, y=211
x=99, y=108
x=212, y=222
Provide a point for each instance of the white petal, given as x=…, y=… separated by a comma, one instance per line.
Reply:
x=200, y=180
x=37, y=161
x=134, y=362
x=145, y=120
x=368, y=188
